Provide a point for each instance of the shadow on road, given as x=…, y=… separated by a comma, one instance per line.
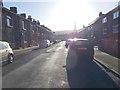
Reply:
x=85, y=73
x=36, y=49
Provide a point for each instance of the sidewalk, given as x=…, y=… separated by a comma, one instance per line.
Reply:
x=25, y=50
x=107, y=60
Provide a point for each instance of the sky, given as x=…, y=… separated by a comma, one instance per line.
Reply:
x=62, y=14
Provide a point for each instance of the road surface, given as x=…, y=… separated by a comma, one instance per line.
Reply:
x=54, y=67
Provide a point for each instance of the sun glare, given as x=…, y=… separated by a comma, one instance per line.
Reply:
x=67, y=12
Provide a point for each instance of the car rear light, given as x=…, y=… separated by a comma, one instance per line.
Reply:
x=82, y=48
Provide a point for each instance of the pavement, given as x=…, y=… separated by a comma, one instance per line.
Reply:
x=25, y=50
x=108, y=61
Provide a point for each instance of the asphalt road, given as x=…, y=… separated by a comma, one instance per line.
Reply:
x=54, y=67
x=85, y=73
x=40, y=68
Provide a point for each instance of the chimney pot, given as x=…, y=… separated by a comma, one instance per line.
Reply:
x=13, y=9
x=100, y=14
x=23, y=15
x=29, y=17
x=34, y=21
x=38, y=22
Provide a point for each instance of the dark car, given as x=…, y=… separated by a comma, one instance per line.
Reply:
x=67, y=43
x=55, y=41
x=83, y=47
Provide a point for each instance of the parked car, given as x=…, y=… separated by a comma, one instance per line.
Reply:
x=55, y=41
x=82, y=47
x=68, y=41
x=44, y=44
x=6, y=52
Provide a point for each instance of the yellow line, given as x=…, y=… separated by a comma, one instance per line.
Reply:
x=109, y=55
x=107, y=65
x=101, y=62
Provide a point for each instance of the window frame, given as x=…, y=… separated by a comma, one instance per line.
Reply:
x=23, y=25
x=104, y=20
x=105, y=31
x=115, y=14
x=115, y=28
x=9, y=21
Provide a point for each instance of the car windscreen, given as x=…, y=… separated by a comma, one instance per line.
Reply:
x=44, y=41
x=81, y=42
x=0, y=45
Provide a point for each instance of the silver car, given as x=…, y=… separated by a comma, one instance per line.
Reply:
x=44, y=44
x=6, y=52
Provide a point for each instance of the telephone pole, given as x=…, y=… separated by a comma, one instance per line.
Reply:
x=75, y=26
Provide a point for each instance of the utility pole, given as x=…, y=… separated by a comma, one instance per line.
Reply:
x=75, y=26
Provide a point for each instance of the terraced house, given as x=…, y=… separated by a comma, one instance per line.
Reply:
x=105, y=31
x=21, y=31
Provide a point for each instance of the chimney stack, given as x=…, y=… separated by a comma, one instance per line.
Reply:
x=38, y=22
x=100, y=14
x=23, y=15
x=29, y=17
x=34, y=21
x=13, y=9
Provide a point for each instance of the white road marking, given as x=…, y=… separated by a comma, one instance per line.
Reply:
x=63, y=83
x=49, y=50
x=58, y=48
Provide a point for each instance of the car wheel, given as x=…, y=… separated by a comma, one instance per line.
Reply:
x=91, y=57
x=10, y=58
x=66, y=46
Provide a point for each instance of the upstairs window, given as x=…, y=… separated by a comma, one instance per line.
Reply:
x=115, y=29
x=116, y=15
x=9, y=21
x=88, y=28
x=23, y=25
x=104, y=20
x=105, y=31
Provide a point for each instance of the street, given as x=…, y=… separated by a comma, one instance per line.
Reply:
x=54, y=67
x=84, y=73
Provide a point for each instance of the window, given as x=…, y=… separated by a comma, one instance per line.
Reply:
x=116, y=15
x=104, y=20
x=9, y=21
x=23, y=25
x=88, y=28
x=33, y=31
x=3, y=46
x=0, y=46
x=104, y=31
x=115, y=29
x=25, y=37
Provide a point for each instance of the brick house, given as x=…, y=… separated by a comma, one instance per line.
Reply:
x=105, y=31
x=22, y=32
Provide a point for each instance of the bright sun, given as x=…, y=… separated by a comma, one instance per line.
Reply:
x=67, y=12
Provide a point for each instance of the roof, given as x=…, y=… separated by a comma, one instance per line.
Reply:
x=94, y=21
